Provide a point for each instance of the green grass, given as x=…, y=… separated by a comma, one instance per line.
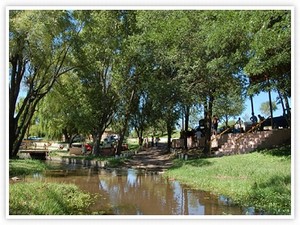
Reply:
x=132, y=144
x=175, y=134
x=40, y=198
x=260, y=179
x=19, y=167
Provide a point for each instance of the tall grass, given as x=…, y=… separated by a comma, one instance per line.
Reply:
x=261, y=179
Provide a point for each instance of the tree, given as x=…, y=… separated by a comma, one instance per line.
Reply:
x=269, y=63
x=230, y=102
x=214, y=60
x=39, y=47
x=265, y=108
x=134, y=68
x=161, y=33
x=97, y=50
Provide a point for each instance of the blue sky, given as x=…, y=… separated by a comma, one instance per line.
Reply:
x=257, y=100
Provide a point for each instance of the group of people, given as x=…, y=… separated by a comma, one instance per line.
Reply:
x=254, y=121
x=145, y=142
x=239, y=125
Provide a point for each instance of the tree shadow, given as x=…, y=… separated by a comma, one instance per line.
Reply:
x=280, y=151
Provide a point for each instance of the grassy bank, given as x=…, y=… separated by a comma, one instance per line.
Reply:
x=47, y=199
x=260, y=179
x=20, y=167
x=41, y=198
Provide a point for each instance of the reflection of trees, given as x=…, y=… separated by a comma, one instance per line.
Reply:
x=185, y=202
x=134, y=193
x=148, y=193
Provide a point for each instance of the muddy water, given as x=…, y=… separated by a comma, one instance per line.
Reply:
x=132, y=192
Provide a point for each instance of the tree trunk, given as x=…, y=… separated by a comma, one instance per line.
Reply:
x=271, y=108
x=66, y=135
x=169, y=131
x=288, y=110
x=208, y=124
x=186, y=126
x=226, y=121
x=19, y=121
x=122, y=135
x=96, y=147
x=19, y=124
x=125, y=125
x=281, y=102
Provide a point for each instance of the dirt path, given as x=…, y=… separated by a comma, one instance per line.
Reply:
x=151, y=158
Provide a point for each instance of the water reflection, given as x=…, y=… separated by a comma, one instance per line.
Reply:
x=133, y=192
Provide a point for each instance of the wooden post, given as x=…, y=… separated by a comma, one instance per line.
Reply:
x=252, y=108
x=270, y=102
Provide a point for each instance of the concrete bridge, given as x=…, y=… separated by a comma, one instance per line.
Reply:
x=36, y=149
x=36, y=153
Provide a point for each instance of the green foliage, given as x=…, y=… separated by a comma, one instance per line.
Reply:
x=39, y=47
x=47, y=199
x=269, y=51
x=260, y=179
x=115, y=162
x=265, y=108
x=139, y=68
x=62, y=111
x=270, y=42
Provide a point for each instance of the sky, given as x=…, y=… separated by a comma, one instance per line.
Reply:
x=257, y=101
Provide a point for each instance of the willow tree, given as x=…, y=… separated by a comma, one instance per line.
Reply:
x=39, y=47
x=60, y=112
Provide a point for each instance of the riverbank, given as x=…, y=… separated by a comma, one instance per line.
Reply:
x=39, y=198
x=261, y=179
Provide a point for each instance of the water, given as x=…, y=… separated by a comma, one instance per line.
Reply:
x=133, y=192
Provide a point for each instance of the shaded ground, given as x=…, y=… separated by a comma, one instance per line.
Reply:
x=151, y=158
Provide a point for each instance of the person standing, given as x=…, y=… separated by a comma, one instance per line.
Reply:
x=239, y=123
x=198, y=137
x=141, y=143
x=261, y=120
x=146, y=142
x=156, y=141
x=215, y=122
x=253, y=119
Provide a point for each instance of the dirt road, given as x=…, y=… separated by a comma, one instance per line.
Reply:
x=151, y=158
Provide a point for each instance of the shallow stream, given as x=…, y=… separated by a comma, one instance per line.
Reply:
x=136, y=192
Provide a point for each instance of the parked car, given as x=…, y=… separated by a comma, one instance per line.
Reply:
x=77, y=148
x=34, y=138
x=88, y=147
x=278, y=122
